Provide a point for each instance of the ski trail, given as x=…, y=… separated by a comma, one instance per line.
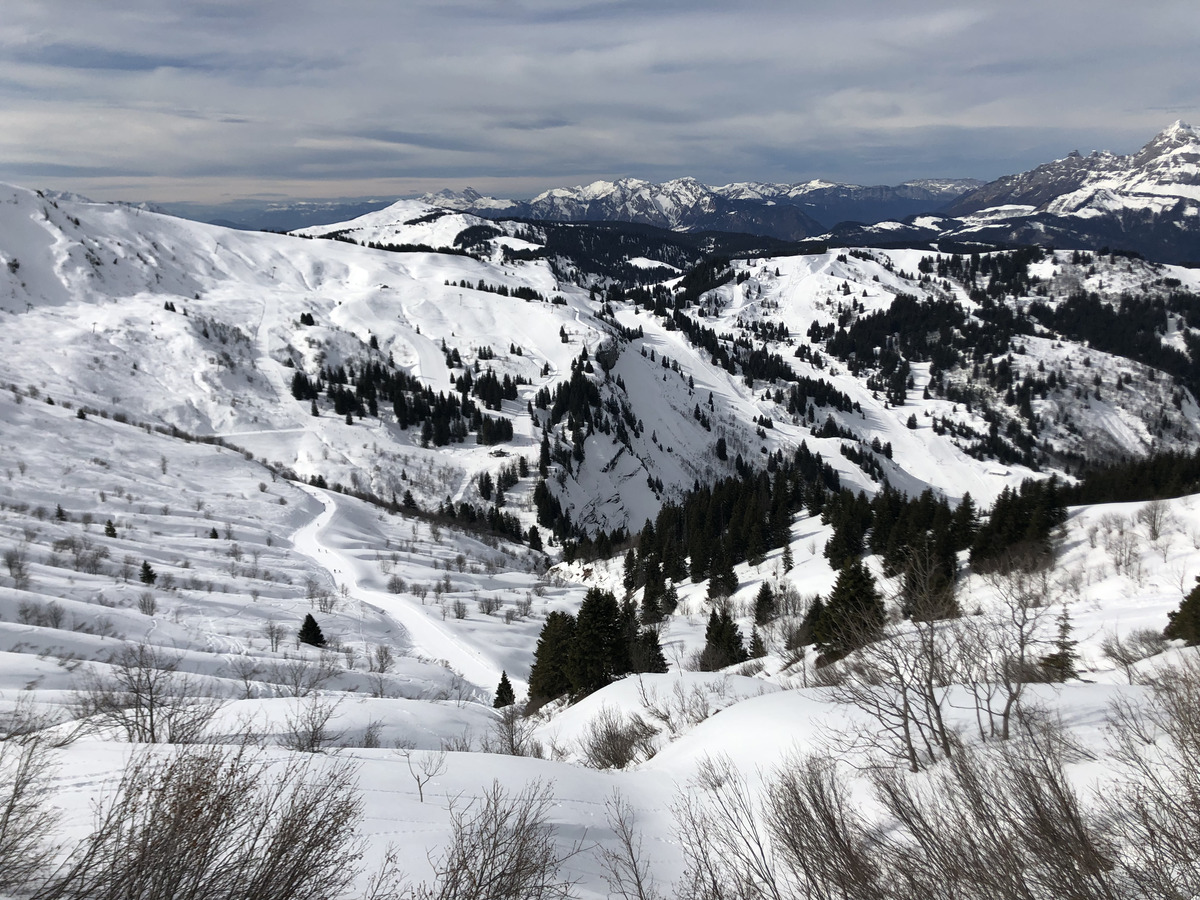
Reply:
x=427, y=637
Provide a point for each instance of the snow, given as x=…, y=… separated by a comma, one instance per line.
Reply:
x=79, y=329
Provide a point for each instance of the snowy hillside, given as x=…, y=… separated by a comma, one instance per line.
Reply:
x=207, y=436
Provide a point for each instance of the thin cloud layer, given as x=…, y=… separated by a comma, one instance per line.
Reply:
x=207, y=100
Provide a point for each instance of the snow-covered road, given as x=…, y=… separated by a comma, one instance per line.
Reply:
x=427, y=637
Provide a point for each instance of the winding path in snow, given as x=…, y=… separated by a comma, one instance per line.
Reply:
x=427, y=637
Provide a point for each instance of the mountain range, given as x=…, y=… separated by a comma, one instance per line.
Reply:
x=785, y=211
x=441, y=435
x=1146, y=202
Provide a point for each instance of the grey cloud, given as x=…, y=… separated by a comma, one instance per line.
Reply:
x=556, y=91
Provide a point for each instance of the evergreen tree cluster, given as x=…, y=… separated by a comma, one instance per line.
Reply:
x=739, y=518
x=442, y=418
x=1158, y=477
x=578, y=655
x=1021, y=522
x=1131, y=327
x=734, y=353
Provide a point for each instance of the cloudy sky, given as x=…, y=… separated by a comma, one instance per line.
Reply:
x=211, y=100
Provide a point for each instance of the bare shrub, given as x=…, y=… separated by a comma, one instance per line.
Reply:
x=613, y=741
x=625, y=869
x=683, y=708
x=502, y=847
x=396, y=585
x=27, y=823
x=16, y=559
x=246, y=670
x=147, y=605
x=43, y=615
x=720, y=832
x=512, y=734
x=821, y=841
x=1156, y=813
x=488, y=604
x=308, y=728
x=300, y=677
x=459, y=606
x=218, y=824
x=1127, y=651
x=143, y=694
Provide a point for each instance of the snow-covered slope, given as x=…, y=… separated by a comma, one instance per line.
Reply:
x=148, y=415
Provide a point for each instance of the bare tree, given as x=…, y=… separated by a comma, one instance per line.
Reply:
x=424, y=766
x=1156, y=516
x=275, y=633
x=902, y=682
x=998, y=652
x=381, y=659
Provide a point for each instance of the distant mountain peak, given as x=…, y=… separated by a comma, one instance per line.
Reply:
x=786, y=211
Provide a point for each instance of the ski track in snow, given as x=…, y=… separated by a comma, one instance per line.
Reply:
x=427, y=638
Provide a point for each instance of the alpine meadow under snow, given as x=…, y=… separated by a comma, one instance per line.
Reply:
x=442, y=437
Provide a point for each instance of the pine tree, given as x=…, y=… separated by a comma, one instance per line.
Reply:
x=722, y=580
x=1061, y=664
x=629, y=576
x=757, y=648
x=598, y=645
x=544, y=455
x=212, y=534
x=854, y=614
x=764, y=605
x=535, y=539
x=548, y=676
x=310, y=632
x=723, y=644
x=646, y=654
x=1184, y=623
x=147, y=575
x=110, y=530
x=789, y=561
x=504, y=693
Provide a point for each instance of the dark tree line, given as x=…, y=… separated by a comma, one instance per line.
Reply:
x=578, y=655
